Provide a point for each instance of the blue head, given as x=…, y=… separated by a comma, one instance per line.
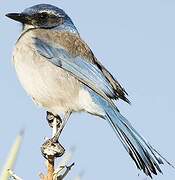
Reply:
x=44, y=16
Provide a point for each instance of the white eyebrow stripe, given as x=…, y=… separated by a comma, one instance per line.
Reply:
x=51, y=12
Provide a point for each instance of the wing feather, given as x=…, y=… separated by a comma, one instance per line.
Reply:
x=80, y=61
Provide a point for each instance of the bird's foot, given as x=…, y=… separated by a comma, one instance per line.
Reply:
x=50, y=119
x=52, y=149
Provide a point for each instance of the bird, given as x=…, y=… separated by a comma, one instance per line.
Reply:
x=59, y=71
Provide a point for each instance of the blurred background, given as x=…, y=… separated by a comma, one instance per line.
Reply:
x=135, y=40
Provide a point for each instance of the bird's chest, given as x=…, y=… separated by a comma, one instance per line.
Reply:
x=49, y=86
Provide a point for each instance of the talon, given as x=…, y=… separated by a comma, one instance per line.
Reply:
x=52, y=149
x=50, y=117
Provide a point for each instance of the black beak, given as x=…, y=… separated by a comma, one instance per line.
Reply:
x=23, y=18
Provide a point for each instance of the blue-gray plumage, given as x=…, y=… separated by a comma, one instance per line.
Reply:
x=60, y=72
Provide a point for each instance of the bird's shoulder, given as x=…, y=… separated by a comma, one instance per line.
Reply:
x=67, y=40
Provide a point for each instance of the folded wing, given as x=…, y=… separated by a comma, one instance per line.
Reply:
x=88, y=70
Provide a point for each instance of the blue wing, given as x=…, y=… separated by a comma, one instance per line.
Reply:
x=83, y=70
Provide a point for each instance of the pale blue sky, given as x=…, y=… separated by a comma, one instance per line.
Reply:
x=136, y=41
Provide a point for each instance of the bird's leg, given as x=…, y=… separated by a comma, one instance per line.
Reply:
x=50, y=119
x=62, y=125
x=52, y=148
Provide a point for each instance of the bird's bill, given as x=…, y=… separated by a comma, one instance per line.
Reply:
x=20, y=17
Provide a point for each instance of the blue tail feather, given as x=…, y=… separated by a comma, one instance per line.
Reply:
x=144, y=155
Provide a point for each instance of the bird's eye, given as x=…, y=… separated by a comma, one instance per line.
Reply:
x=43, y=15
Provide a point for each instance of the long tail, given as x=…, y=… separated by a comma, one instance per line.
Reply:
x=144, y=155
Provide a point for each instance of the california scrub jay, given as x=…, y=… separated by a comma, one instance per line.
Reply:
x=60, y=72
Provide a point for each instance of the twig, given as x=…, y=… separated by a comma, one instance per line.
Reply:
x=13, y=175
x=50, y=169
x=13, y=154
x=65, y=160
x=59, y=176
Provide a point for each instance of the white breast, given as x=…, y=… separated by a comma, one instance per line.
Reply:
x=49, y=86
